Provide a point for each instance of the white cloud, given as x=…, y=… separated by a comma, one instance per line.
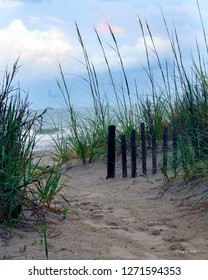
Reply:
x=10, y=4
x=40, y=49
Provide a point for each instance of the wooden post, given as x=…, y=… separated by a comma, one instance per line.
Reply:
x=154, y=152
x=144, y=152
x=165, y=150
x=123, y=154
x=111, y=151
x=133, y=154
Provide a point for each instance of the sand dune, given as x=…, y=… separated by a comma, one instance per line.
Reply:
x=118, y=219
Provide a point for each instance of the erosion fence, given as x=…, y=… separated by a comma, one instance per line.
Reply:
x=139, y=150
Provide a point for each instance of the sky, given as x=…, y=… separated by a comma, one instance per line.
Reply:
x=43, y=34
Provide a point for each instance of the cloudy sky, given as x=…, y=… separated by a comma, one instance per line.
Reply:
x=43, y=33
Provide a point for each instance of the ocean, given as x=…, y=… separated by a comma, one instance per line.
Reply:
x=54, y=123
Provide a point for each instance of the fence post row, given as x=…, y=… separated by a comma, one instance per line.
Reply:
x=112, y=152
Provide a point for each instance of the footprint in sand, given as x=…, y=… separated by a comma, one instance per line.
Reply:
x=175, y=239
x=177, y=247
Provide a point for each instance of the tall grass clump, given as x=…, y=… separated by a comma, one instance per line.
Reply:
x=85, y=135
x=188, y=115
x=24, y=182
x=153, y=108
x=178, y=101
x=87, y=132
x=17, y=141
x=124, y=114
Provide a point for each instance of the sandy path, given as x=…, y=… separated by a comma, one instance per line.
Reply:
x=119, y=219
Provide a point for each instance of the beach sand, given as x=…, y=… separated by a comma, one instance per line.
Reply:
x=118, y=219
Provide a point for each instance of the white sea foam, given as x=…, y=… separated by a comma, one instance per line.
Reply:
x=51, y=126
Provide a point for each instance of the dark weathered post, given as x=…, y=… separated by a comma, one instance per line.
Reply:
x=165, y=150
x=154, y=152
x=133, y=154
x=144, y=152
x=111, y=151
x=123, y=154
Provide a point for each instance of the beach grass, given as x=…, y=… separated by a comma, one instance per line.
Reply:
x=177, y=99
x=19, y=167
x=16, y=147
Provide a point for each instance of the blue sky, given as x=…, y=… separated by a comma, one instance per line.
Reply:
x=43, y=33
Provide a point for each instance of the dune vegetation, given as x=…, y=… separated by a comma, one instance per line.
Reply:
x=24, y=181
x=177, y=99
